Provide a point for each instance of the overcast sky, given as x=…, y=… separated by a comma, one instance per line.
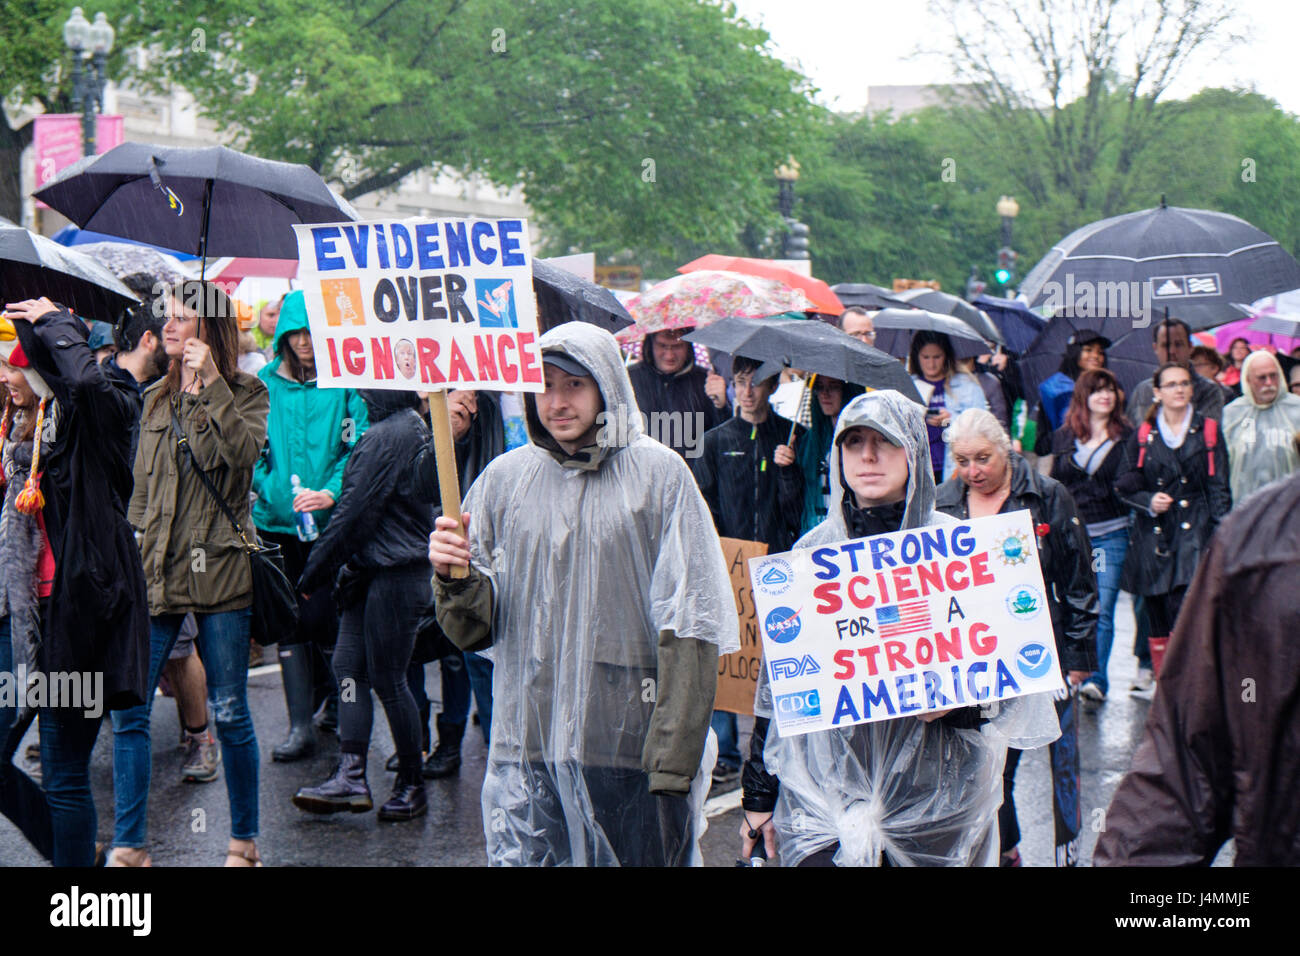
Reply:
x=844, y=46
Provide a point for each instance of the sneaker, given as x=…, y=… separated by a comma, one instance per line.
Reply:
x=202, y=758
x=1144, y=681
x=1091, y=690
x=1011, y=858
x=725, y=779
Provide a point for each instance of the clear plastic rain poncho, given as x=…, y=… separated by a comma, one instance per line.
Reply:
x=588, y=566
x=924, y=794
x=1260, y=437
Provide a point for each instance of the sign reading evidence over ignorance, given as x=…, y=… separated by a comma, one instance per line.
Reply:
x=905, y=623
x=422, y=304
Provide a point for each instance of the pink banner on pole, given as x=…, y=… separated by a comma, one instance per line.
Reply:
x=56, y=142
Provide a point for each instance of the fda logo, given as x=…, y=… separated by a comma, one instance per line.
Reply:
x=801, y=707
x=774, y=576
x=788, y=667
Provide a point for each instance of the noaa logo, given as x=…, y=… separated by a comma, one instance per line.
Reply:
x=774, y=577
x=1025, y=602
x=782, y=625
x=1034, y=660
x=1014, y=548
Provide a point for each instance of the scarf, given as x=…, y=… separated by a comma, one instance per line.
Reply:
x=865, y=522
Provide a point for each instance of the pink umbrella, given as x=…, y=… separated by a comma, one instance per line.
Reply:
x=699, y=298
x=1240, y=329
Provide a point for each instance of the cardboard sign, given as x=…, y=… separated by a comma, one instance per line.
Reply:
x=421, y=304
x=906, y=623
x=738, y=672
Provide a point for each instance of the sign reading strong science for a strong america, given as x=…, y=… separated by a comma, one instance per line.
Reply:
x=902, y=624
x=421, y=305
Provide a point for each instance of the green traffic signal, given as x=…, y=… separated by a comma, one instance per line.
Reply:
x=1003, y=276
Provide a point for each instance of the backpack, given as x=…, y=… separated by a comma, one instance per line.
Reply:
x=1211, y=439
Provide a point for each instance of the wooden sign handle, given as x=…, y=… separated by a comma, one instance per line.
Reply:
x=448, y=481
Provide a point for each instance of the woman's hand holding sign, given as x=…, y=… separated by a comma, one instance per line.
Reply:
x=447, y=547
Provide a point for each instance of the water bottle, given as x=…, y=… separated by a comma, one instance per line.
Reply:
x=307, y=530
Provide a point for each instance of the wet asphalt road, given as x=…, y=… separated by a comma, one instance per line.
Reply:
x=189, y=823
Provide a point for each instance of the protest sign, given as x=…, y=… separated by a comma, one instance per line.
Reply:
x=906, y=623
x=738, y=672
x=422, y=305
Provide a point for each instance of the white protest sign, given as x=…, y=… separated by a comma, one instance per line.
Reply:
x=421, y=305
x=905, y=623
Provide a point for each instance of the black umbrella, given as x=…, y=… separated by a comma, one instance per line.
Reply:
x=867, y=296
x=1129, y=358
x=946, y=304
x=895, y=327
x=811, y=346
x=207, y=201
x=565, y=297
x=1194, y=262
x=32, y=266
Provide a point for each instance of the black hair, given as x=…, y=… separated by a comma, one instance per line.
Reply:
x=1155, y=329
x=742, y=363
x=1070, y=361
x=142, y=318
x=925, y=337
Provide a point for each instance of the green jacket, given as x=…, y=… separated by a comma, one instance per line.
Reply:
x=193, y=560
x=309, y=433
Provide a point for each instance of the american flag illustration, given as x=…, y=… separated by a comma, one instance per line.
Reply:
x=901, y=619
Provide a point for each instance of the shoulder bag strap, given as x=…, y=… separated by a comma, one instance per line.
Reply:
x=182, y=442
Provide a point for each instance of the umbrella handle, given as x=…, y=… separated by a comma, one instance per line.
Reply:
x=808, y=384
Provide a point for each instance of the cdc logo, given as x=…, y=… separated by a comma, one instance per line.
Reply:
x=803, y=706
x=787, y=667
x=782, y=625
x=774, y=576
x=1034, y=660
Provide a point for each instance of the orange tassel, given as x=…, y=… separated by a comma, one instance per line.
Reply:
x=30, y=500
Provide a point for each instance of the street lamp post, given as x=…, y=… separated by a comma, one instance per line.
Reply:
x=88, y=79
x=794, y=243
x=1008, y=209
x=1005, y=273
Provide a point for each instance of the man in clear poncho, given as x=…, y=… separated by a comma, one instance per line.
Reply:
x=1260, y=427
x=911, y=791
x=592, y=556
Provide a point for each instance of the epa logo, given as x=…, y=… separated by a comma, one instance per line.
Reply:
x=774, y=577
x=1025, y=602
x=1034, y=660
x=798, y=708
x=782, y=625
x=788, y=667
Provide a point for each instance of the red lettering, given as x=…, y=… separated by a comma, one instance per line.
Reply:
x=870, y=654
x=429, y=373
x=828, y=594
x=509, y=370
x=487, y=363
x=883, y=588
x=982, y=646
x=930, y=577
x=948, y=648
x=532, y=372
x=979, y=568
x=856, y=582
x=381, y=357
x=334, y=358
x=955, y=575
x=458, y=368
x=923, y=644
x=352, y=348
x=903, y=589
x=894, y=655
x=845, y=659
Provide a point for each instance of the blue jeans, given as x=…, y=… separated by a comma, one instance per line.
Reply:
x=724, y=725
x=67, y=738
x=22, y=800
x=462, y=673
x=223, y=645
x=1113, y=548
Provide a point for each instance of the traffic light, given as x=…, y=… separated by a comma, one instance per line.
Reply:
x=1005, y=273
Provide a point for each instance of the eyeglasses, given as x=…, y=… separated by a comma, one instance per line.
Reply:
x=864, y=336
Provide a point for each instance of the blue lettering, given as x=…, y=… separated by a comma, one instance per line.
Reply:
x=852, y=549
x=381, y=247
x=327, y=258
x=881, y=697
x=906, y=693
x=977, y=693
x=963, y=542
x=402, y=253
x=844, y=706
x=880, y=548
x=426, y=246
x=356, y=237
x=456, y=237
x=934, y=543
x=478, y=232
x=1005, y=680
x=956, y=684
x=934, y=698
x=911, y=549
x=822, y=558
x=510, y=252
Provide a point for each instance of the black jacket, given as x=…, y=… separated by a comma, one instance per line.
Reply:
x=382, y=520
x=1163, y=550
x=681, y=392
x=1064, y=553
x=1094, y=495
x=751, y=498
x=98, y=617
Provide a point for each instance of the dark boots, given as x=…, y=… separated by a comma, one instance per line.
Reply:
x=345, y=790
x=408, y=800
x=445, y=761
x=296, y=671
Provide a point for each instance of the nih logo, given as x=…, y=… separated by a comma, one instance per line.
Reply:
x=799, y=708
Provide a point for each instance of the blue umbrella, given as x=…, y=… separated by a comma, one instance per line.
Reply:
x=1018, y=323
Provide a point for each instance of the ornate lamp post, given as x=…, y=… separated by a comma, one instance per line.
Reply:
x=794, y=244
x=95, y=40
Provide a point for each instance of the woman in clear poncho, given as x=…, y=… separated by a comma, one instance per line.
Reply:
x=912, y=791
x=597, y=577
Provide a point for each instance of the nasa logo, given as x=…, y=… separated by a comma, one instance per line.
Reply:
x=799, y=708
x=782, y=625
x=787, y=667
x=774, y=576
x=1034, y=660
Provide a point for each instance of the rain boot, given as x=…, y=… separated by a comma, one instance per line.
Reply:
x=445, y=761
x=295, y=670
x=326, y=698
x=408, y=800
x=345, y=790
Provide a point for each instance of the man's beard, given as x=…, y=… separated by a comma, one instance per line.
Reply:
x=159, y=361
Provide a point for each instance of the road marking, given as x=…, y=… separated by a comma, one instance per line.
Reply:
x=722, y=803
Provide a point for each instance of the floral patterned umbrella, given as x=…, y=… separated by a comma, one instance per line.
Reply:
x=699, y=298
